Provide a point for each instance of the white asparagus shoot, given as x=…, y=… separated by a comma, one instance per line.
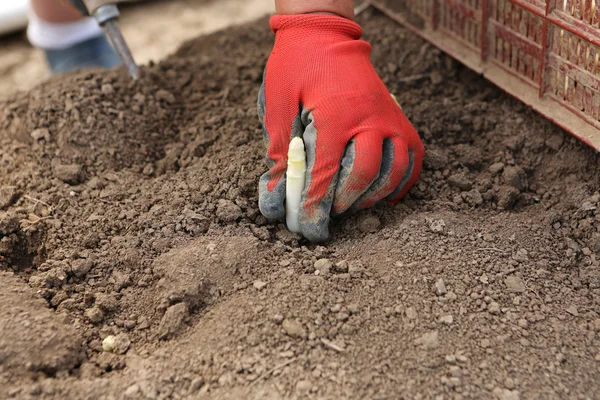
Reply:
x=295, y=180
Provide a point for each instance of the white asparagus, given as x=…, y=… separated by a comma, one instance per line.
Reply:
x=295, y=180
x=109, y=342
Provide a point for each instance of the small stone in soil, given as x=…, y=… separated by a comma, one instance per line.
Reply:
x=132, y=391
x=447, y=319
x=340, y=267
x=41, y=133
x=473, y=198
x=496, y=168
x=165, y=96
x=106, y=302
x=323, y=266
x=523, y=323
x=440, y=287
x=196, y=384
x=259, y=285
x=148, y=170
x=494, y=308
x=573, y=311
x=117, y=344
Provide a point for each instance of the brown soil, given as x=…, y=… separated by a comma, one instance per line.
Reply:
x=131, y=210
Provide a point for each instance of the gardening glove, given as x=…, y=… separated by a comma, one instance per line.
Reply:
x=319, y=84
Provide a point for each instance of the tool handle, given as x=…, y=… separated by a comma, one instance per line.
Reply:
x=88, y=7
x=93, y=5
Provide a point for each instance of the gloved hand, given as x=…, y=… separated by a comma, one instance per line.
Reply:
x=319, y=84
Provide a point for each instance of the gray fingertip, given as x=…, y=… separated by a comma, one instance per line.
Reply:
x=261, y=104
x=315, y=229
x=271, y=203
x=387, y=163
x=346, y=167
x=406, y=177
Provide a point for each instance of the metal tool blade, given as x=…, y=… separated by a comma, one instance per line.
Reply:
x=116, y=38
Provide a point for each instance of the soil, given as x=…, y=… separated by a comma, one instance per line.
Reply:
x=130, y=210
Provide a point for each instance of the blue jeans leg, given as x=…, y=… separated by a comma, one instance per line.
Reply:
x=95, y=52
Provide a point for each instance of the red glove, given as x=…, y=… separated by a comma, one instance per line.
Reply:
x=320, y=85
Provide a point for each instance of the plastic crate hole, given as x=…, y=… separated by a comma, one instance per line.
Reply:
x=461, y=19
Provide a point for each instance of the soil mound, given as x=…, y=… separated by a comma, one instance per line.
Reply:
x=131, y=209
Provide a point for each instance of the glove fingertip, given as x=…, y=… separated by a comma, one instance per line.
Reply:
x=408, y=181
x=314, y=222
x=271, y=203
x=315, y=231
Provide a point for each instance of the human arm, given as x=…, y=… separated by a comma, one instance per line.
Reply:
x=55, y=11
x=343, y=8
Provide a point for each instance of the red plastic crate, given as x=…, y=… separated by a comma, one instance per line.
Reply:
x=544, y=52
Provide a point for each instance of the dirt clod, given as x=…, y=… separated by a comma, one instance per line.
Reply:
x=173, y=320
x=94, y=315
x=460, y=181
x=440, y=287
x=293, y=328
x=196, y=384
x=514, y=284
x=369, y=224
x=8, y=195
x=72, y=174
x=259, y=285
x=516, y=177
x=228, y=211
x=32, y=338
x=41, y=133
x=507, y=197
